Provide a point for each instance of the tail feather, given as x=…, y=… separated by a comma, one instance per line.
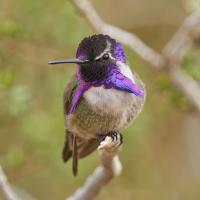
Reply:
x=67, y=149
x=67, y=153
x=75, y=148
x=75, y=157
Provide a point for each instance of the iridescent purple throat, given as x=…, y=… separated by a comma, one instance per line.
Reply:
x=115, y=79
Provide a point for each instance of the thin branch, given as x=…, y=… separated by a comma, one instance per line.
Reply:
x=110, y=167
x=174, y=52
x=187, y=84
x=127, y=38
x=7, y=191
x=182, y=39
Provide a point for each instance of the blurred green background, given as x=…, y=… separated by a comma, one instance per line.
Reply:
x=160, y=155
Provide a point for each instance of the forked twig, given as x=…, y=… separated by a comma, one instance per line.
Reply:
x=127, y=38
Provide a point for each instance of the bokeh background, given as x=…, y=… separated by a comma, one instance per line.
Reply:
x=161, y=151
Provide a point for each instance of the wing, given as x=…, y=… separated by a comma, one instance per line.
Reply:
x=74, y=146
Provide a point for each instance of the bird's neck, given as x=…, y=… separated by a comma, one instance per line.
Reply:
x=118, y=78
x=118, y=68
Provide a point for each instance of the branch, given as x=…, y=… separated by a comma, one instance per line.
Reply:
x=7, y=191
x=187, y=84
x=125, y=37
x=182, y=39
x=110, y=167
x=174, y=52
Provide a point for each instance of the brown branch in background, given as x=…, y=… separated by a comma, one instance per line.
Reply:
x=110, y=167
x=5, y=187
x=182, y=39
x=172, y=52
x=127, y=38
x=187, y=84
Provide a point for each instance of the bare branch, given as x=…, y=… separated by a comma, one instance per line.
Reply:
x=189, y=86
x=110, y=167
x=7, y=191
x=182, y=39
x=174, y=52
x=121, y=35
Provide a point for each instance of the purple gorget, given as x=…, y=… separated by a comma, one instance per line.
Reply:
x=115, y=79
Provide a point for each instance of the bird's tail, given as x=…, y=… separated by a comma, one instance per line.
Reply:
x=76, y=148
x=67, y=151
x=74, y=157
x=70, y=150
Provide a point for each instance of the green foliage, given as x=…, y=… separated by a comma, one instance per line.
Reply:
x=9, y=28
x=177, y=98
x=44, y=22
x=15, y=156
x=191, y=64
x=6, y=77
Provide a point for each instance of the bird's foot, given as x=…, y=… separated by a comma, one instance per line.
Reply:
x=110, y=142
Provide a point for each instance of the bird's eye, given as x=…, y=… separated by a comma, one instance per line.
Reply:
x=106, y=56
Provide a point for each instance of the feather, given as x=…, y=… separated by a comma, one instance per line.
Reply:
x=75, y=157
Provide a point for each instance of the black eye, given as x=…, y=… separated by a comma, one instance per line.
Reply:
x=106, y=56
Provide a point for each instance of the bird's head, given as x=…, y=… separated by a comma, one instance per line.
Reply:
x=95, y=56
x=100, y=52
x=101, y=61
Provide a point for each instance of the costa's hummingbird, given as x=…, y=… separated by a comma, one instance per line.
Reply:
x=101, y=99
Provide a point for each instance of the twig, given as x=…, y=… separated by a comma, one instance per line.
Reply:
x=174, y=52
x=127, y=38
x=182, y=39
x=187, y=84
x=7, y=191
x=110, y=167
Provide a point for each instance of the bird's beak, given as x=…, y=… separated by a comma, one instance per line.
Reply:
x=75, y=60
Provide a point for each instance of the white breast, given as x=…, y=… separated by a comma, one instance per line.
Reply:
x=108, y=100
x=111, y=100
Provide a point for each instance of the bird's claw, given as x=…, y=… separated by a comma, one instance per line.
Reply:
x=110, y=141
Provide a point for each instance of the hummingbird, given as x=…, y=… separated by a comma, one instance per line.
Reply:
x=103, y=97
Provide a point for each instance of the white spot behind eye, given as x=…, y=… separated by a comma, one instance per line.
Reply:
x=102, y=54
x=125, y=70
x=106, y=50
